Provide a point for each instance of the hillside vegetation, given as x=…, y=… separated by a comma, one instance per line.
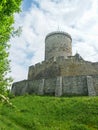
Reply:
x=50, y=113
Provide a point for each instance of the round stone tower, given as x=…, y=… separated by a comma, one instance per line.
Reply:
x=58, y=44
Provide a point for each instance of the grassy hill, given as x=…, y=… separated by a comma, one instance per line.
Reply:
x=50, y=113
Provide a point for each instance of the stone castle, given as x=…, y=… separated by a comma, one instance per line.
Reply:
x=60, y=74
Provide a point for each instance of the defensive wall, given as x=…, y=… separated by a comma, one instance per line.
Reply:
x=72, y=66
x=59, y=86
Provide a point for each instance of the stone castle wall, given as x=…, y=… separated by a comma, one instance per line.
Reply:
x=62, y=67
x=59, y=86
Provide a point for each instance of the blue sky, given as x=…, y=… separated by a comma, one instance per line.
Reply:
x=26, y=4
x=40, y=17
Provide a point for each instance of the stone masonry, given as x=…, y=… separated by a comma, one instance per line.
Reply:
x=61, y=74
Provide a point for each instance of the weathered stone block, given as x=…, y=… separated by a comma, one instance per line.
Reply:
x=90, y=85
x=50, y=86
x=58, y=89
x=20, y=88
x=75, y=85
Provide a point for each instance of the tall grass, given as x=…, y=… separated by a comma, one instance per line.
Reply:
x=50, y=113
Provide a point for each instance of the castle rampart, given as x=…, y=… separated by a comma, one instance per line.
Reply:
x=59, y=86
x=61, y=67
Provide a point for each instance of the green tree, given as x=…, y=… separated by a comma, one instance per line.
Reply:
x=7, y=10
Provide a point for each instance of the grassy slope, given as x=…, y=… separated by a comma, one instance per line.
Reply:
x=50, y=113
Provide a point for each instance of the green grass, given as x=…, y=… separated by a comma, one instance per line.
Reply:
x=50, y=113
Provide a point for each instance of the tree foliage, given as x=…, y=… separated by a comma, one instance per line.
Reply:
x=7, y=10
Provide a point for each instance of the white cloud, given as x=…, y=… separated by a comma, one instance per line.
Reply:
x=79, y=18
x=18, y=72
